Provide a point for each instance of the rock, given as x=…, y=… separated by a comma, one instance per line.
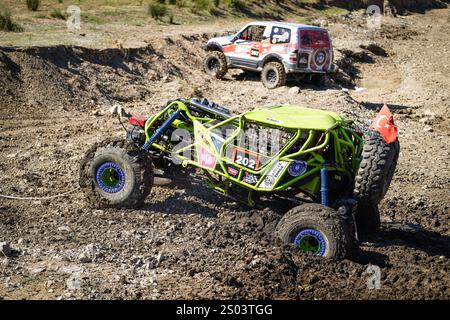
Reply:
x=64, y=228
x=89, y=254
x=72, y=269
x=84, y=258
x=294, y=90
x=320, y=23
x=74, y=281
x=37, y=270
x=160, y=258
x=99, y=113
x=5, y=248
x=428, y=128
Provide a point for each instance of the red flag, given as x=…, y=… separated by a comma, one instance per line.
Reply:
x=384, y=123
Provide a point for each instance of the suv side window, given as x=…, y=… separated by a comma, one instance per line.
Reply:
x=252, y=33
x=280, y=35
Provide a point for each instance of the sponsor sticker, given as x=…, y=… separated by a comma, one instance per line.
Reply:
x=254, y=52
x=206, y=158
x=275, y=172
x=233, y=171
x=274, y=120
x=297, y=168
x=250, y=178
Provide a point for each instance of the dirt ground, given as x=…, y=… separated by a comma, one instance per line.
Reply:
x=188, y=242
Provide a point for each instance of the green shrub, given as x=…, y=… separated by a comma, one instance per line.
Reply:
x=157, y=10
x=7, y=23
x=58, y=14
x=172, y=2
x=181, y=3
x=238, y=4
x=217, y=3
x=201, y=5
x=33, y=5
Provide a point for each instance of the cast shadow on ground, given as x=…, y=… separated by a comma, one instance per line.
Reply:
x=178, y=204
x=13, y=67
x=416, y=237
x=378, y=106
x=407, y=235
x=253, y=76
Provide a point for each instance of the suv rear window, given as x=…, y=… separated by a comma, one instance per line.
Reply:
x=314, y=39
x=280, y=35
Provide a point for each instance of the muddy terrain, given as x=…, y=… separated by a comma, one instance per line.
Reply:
x=187, y=241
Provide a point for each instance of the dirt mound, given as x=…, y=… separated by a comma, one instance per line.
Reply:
x=81, y=78
x=84, y=78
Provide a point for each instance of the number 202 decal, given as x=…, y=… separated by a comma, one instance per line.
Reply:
x=246, y=158
x=246, y=162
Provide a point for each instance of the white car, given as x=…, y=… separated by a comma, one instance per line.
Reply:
x=275, y=49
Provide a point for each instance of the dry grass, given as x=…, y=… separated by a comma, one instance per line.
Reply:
x=101, y=18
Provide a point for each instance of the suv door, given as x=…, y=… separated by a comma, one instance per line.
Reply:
x=247, y=47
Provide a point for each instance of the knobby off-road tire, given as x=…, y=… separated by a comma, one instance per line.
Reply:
x=322, y=225
x=120, y=161
x=273, y=75
x=373, y=179
x=215, y=64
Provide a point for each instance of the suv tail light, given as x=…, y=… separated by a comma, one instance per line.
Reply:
x=293, y=56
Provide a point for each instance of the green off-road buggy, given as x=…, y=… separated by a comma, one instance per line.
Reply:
x=327, y=175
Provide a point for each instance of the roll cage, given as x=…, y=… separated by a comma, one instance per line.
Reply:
x=336, y=150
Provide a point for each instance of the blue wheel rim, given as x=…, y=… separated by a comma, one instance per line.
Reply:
x=110, y=177
x=311, y=240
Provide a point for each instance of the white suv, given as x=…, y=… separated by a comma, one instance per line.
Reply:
x=275, y=49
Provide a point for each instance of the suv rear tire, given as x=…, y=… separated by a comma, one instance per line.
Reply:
x=273, y=75
x=215, y=64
